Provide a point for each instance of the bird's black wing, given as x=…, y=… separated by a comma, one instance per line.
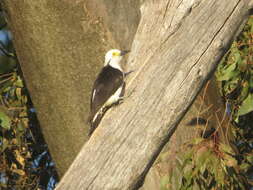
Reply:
x=106, y=84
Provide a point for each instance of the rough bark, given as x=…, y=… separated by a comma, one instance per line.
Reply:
x=177, y=47
x=61, y=48
x=120, y=17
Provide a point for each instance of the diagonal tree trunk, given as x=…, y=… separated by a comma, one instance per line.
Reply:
x=177, y=47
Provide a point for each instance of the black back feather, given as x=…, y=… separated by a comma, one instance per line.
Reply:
x=107, y=83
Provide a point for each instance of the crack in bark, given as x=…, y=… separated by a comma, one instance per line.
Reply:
x=167, y=6
x=179, y=3
x=208, y=46
x=91, y=182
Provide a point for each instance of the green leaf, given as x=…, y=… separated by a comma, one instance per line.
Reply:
x=164, y=182
x=18, y=93
x=228, y=72
x=19, y=83
x=20, y=127
x=244, y=92
x=230, y=161
x=251, y=28
x=220, y=176
x=242, y=66
x=245, y=166
x=5, y=144
x=237, y=57
x=226, y=148
x=250, y=158
x=251, y=81
x=5, y=121
x=187, y=171
x=197, y=140
x=247, y=105
x=178, y=176
x=202, y=159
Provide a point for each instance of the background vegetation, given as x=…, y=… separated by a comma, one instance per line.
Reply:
x=25, y=162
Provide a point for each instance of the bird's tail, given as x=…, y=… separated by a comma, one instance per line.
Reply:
x=95, y=120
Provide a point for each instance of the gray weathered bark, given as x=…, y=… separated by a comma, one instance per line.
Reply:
x=177, y=47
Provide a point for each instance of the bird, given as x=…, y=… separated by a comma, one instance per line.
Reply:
x=108, y=88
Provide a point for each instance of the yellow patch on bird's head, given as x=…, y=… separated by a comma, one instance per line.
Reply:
x=113, y=55
x=116, y=53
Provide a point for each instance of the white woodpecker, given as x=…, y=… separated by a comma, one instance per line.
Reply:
x=108, y=88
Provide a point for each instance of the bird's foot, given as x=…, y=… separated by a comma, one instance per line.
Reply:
x=121, y=100
x=127, y=73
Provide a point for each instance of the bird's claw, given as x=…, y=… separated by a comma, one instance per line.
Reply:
x=127, y=73
x=121, y=100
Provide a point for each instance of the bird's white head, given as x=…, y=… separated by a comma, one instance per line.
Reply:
x=113, y=58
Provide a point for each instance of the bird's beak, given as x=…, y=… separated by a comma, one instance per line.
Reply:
x=124, y=52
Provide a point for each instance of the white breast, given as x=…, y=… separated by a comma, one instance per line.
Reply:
x=114, y=98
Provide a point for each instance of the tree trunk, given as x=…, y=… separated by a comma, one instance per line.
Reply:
x=177, y=47
x=61, y=46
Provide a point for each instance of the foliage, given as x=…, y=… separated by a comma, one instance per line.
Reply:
x=236, y=73
x=14, y=122
x=210, y=164
x=24, y=162
x=205, y=166
x=237, y=90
